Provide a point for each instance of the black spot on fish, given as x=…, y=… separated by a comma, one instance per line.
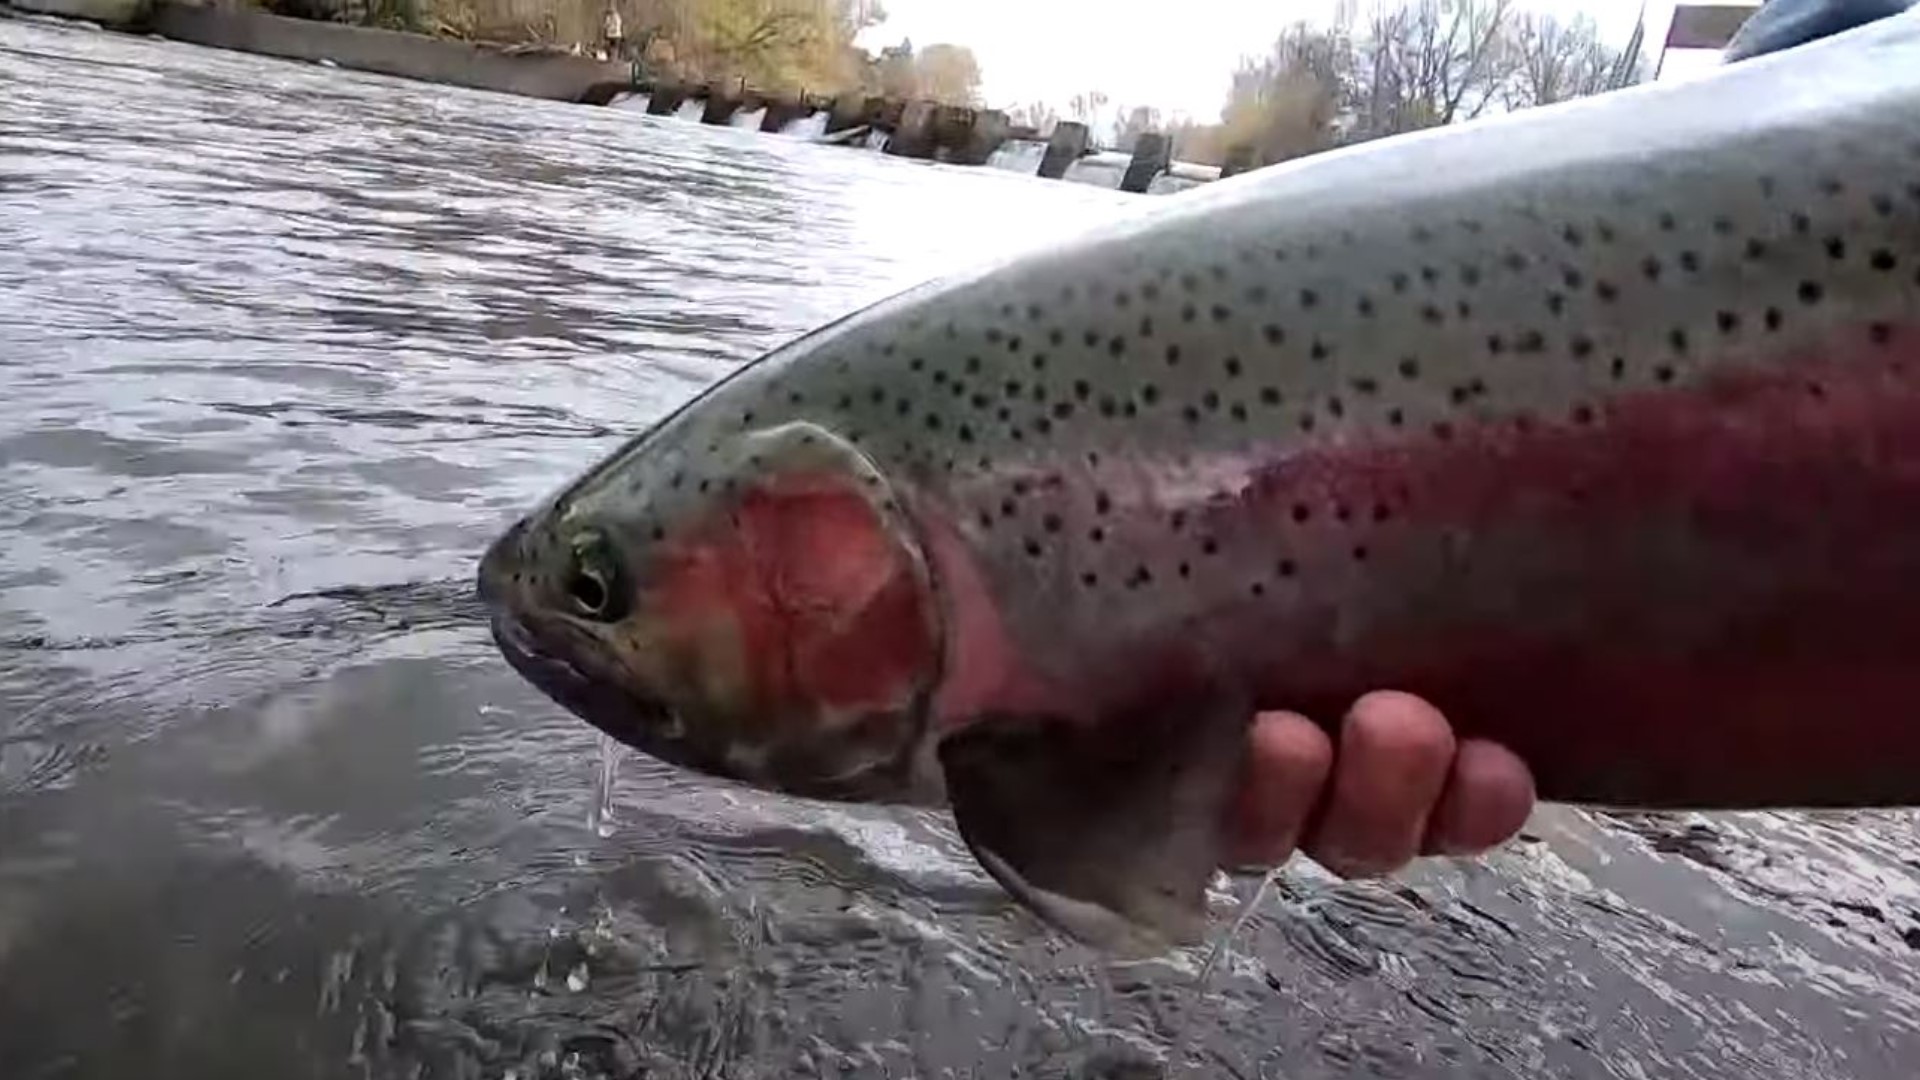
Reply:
x=1802, y=224
x=1496, y=344
x=1515, y=261
x=1836, y=248
x=1146, y=326
x=1756, y=249
x=1274, y=334
x=1232, y=365
x=1365, y=385
x=1606, y=291
x=1690, y=261
x=1443, y=431
x=1396, y=417
x=1400, y=282
x=1365, y=307
x=1529, y=341
x=1062, y=410
x=1284, y=568
x=1257, y=294
x=1556, y=303
x=1430, y=313
x=1882, y=260
x=1728, y=321
x=1831, y=186
x=1666, y=221
x=1190, y=414
x=1810, y=292
x=1039, y=361
x=1320, y=349
x=1882, y=204
x=1089, y=578
x=1582, y=346
x=1879, y=333
x=1664, y=373
x=1583, y=414
x=1573, y=277
x=1122, y=298
x=1309, y=298
x=1409, y=368
x=1269, y=395
x=1469, y=275
x=1306, y=421
x=1150, y=393
x=1057, y=336
x=1767, y=185
x=1773, y=318
x=1211, y=399
x=1618, y=369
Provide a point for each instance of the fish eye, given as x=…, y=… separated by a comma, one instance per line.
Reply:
x=591, y=581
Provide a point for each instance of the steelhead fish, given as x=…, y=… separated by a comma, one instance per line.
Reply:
x=1596, y=425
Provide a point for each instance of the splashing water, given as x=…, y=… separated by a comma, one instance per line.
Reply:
x=1177, y=1053
x=600, y=818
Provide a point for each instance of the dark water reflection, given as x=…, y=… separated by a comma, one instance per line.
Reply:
x=281, y=348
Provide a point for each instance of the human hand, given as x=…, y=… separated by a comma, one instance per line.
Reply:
x=1398, y=787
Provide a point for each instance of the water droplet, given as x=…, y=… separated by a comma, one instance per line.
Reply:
x=600, y=818
x=577, y=978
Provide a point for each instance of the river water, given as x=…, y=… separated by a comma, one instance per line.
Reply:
x=282, y=347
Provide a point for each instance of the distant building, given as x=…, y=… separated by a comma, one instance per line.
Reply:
x=1698, y=27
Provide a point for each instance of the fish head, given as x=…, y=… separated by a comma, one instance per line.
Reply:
x=752, y=604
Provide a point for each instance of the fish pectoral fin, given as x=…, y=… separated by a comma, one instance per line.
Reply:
x=1109, y=830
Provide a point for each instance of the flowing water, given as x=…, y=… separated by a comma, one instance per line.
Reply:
x=282, y=347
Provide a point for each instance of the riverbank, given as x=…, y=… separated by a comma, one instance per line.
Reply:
x=907, y=128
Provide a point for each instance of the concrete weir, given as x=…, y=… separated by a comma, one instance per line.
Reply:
x=913, y=128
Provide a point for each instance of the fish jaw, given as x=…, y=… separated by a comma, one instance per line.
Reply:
x=780, y=629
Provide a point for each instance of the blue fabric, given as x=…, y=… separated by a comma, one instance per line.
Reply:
x=1782, y=24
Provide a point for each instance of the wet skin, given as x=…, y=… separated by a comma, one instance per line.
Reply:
x=1397, y=786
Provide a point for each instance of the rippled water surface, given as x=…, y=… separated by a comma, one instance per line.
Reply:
x=282, y=347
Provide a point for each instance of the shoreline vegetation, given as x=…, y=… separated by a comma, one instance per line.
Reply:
x=1392, y=67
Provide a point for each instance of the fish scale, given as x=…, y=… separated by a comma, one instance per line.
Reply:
x=1615, y=402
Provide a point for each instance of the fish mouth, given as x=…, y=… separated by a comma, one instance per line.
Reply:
x=630, y=718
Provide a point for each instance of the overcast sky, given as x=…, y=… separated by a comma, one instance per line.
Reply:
x=1050, y=50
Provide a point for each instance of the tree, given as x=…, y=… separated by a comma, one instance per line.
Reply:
x=949, y=74
x=1557, y=61
x=1038, y=115
x=1428, y=62
x=1084, y=106
x=1286, y=103
x=1134, y=123
x=1409, y=64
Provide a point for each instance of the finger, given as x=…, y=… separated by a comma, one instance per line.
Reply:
x=1392, y=763
x=1288, y=758
x=1487, y=800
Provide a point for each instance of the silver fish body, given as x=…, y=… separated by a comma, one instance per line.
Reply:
x=1598, y=425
